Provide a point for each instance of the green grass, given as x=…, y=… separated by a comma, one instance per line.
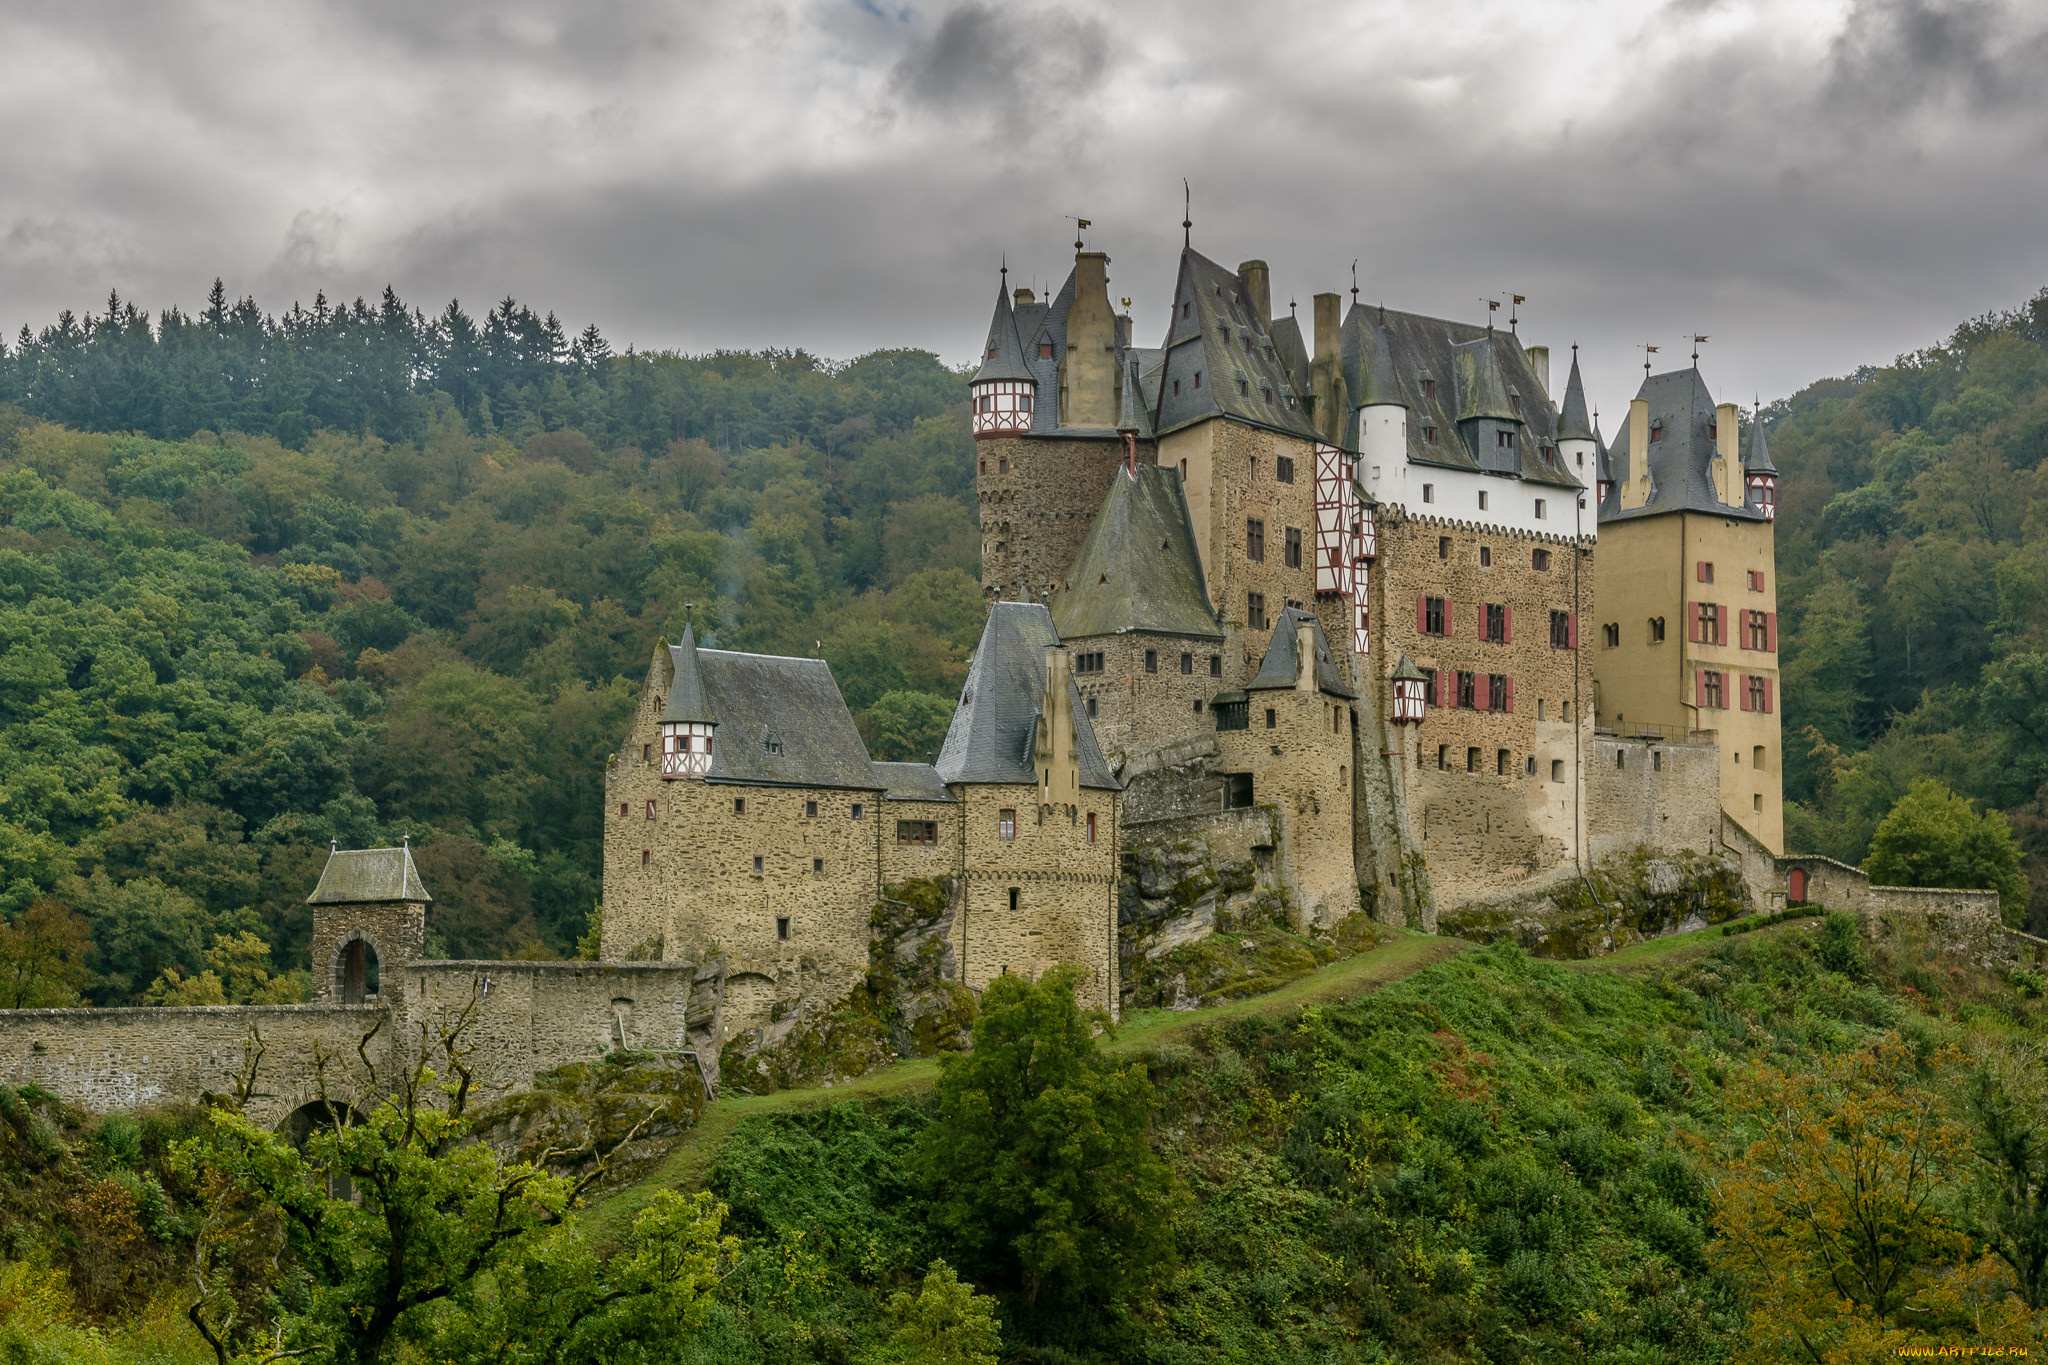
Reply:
x=685, y=1165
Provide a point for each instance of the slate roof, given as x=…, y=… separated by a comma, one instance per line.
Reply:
x=1477, y=372
x=686, y=701
x=994, y=733
x=1758, y=461
x=360, y=876
x=1377, y=386
x=1293, y=351
x=1681, y=463
x=1138, y=568
x=765, y=703
x=1572, y=423
x=911, y=782
x=1281, y=664
x=1002, y=355
x=1134, y=413
x=1222, y=341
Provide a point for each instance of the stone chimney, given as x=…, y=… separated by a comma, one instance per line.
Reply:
x=1539, y=362
x=1330, y=404
x=1088, y=379
x=1304, y=655
x=1635, y=489
x=1058, y=755
x=1258, y=289
x=1728, y=482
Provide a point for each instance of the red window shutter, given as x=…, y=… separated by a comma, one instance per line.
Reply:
x=1769, y=685
x=1447, y=618
x=1507, y=633
x=1699, y=570
x=1444, y=695
x=1571, y=629
x=1721, y=622
x=1692, y=622
x=1742, y=689
x=1422, y=616
x=1482, y=697
x=1771, y=631
x=1508, y=701
x=1699, y=688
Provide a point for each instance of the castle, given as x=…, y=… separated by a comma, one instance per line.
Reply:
x=1182, y=548
x=1361, y=621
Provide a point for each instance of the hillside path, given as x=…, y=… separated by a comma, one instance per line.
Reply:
x=685, y=1165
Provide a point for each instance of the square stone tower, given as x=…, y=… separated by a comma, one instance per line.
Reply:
x=369, y=918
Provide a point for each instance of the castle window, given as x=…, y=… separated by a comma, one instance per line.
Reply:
x=1656, y=631
x=1467, y=690
x=622, y=810
x=1002, y=464
x=1088, y=661
x=1504, y=439
x=1293, y=547
x=1226, y=336
x=1091, y=826
x=857, y=810
x=1499, y=692
x=1045, y=350
x=1757, y=626
x=1656, y=760
x=1581, y=459
x=782, y=927
x=1215, y=665
x=757, y=862
x=1443, y=757
x=1435, y=619
x=1176, y=390
x=818, y=865
x=1708, y=617
x=1539, y=560
x=1244, y=388
x=1756, y=758
x=1500, y=763
x=1198, y=706
x=1151, y=661
x=1237, y=791
x=1703, y=570
x=1712, y=690
x=1713, y=430
x=1255, y=540
x=917, y=831
x=1485, y=556
x=1269, y=353
x=1514, y=401
x=1557, y=770
x=1429, y=678
x=1183, y=312
x=1496, y=623
x=1013, y=910
x=1428, y=387
x=646, y=856
x=1091, y=708
x=1620, y=758
x=1255, y=610
x=647, y=753
x=1006, y=828
x=1443, y=547
x=1272, y=718
x=1759, y=700
x=1610, y=635
x=1198, y=379
x=1540, y=509
x=1233, y=715
x=650, y=810
x=1482, y=500
x=1472, y=759
x=984, y=466
x=810, y=810
x=1187, y=664
x=1283, y=465
x=739, y=805
x=1561, y=632
x=1656, y=431
x=1429, y=492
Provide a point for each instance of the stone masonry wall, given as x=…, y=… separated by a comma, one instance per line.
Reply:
x=1136, y=711
x=1066, y=890
x=903, y=862
x=1663, y=793
x=1481, y=828
x=1037, y=497
x=396, y=932
x=1298, y=751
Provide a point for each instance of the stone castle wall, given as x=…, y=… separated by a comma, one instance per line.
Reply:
x=1037, y=497
x=1136, y=710
x=1652, y=791
x=1298, y=751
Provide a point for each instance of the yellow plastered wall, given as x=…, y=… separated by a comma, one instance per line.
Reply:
x=1649, y=570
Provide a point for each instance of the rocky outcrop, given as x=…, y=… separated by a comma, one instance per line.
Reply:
x=1640, y=893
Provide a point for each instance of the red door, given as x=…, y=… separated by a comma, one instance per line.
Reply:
x=1796, y=886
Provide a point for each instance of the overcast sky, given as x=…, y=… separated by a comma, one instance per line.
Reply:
x=1813, y=185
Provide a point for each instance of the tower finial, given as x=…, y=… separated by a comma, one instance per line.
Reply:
x=1006, y=267
x=1515, y=312
x=1187, y=218
x=1698, y=337
x=1354, y=283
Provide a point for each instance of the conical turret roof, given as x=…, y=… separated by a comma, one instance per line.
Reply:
x=1759, y=459
x=1134, y=414
x=687, y=703
x=1572, y=422
x=1380, y=388
x=1002, y=356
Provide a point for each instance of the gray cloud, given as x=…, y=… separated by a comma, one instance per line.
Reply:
x=1816, y=186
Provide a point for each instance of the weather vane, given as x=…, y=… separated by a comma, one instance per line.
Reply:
x=1697, y=340
x=1648, y=351
x=1081, y=225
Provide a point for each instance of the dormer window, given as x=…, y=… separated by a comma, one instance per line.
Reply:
x=1514, y=402
x=1244, y=389
x=1184, y=309
x=1505, y=439
x=1226, y=336
x=1656, y=431
x=1428, y=387
x=991, y=352
x=1269, y=395
x=1198, y=379
x=1713, y=430
x=771, y=744
x=1429, y=435
x=1045, y=350
x=1269, y=353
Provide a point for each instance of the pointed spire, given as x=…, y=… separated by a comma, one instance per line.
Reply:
x=1187, y=220
x=1133, y=418
x=1002, y=356
x=1759, y=460
x=1571, y=421
x=1380, y=387
x=686, y=700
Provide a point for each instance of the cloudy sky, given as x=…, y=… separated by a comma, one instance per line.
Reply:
x=1812, y=183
